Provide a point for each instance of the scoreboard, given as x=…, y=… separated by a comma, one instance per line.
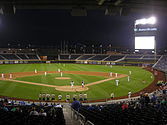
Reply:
x=145, y=34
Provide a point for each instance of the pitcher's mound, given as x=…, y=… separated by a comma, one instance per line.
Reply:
x=73, y=89
x=62, y=78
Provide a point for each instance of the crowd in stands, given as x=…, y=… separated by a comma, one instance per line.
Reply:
x=12, y=113
x=148, y=109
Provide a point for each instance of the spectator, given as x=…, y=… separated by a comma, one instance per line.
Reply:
x=42, y=113
x=58, y=105
x=124, y=106
x=34, y=112
x=90, y=107
x=75, y=104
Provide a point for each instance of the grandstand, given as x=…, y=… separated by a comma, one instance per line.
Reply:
x=161, y=64
x=85, y=57
x=99, y=57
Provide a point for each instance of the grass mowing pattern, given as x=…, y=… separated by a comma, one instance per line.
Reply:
x=99, y=91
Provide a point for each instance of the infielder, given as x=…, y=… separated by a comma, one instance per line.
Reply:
x=72, y=84
x=83, y=84
x=35, y=71
x=10, y=76
x=45, y=73
x=116, y=74
x=2, y=75
x=117, y=81
x=111, y=74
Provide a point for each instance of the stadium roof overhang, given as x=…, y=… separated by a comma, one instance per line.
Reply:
x=111, y=7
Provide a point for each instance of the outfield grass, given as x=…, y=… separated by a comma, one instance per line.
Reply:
x=99, y=91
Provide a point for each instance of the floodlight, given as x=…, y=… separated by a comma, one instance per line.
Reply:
x=151, y=20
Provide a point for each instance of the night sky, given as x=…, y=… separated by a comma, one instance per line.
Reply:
x=52, y=27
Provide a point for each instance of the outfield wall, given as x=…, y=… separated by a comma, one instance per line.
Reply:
x=77, y=61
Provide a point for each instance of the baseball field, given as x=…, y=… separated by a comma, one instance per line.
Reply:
x=21, y=80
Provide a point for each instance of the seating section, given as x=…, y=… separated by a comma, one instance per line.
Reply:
x=18, y=57
x=142, y=111
x=52, y=57
x=151, y=57
x=1, y=58
x=32, y=56
x=64, y=57
x=85, y=57
x=10, y=56
x=133, y=56
x=73, y=57
x=161, y=64
x=31, y=115
x=22, y=56
x=141, y=58
x=99, y=57
x=114, y=57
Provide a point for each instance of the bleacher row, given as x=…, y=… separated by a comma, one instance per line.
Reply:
x=91, y=57
x=19, y=57
x=105, y=57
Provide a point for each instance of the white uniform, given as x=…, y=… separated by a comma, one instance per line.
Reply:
x=35, y=70
x=116, y=74
x=45, y=73
x=129, y=94
x=85, y=96
x=112, y=95
x=130, y=72
x=59, y=97
x=111, y=74
x=10, y=76
x=82, y=84
x=128, y=78
x=2, y=75
x=72, y=84
x=67, y=97
x=117, y=81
